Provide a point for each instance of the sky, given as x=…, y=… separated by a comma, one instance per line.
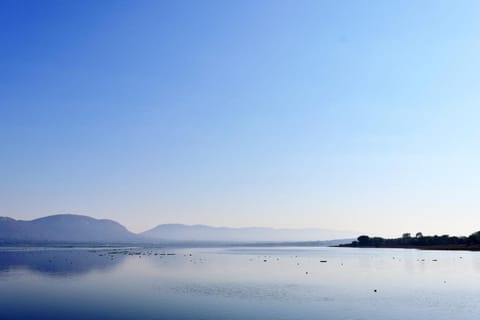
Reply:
x=349, y=115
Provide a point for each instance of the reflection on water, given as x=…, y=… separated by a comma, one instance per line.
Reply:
x=60, y=262
x=238, y=283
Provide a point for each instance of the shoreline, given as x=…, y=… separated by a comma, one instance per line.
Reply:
x=435, y=247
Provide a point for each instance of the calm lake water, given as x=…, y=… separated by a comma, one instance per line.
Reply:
x=238, y=283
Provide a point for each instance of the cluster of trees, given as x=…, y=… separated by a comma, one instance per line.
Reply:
x=419, y=240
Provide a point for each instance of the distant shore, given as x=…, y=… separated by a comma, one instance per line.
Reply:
x=173, y=244
x=419, y=241
x=434, y=247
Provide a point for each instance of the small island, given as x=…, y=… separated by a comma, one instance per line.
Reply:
x=419, y=241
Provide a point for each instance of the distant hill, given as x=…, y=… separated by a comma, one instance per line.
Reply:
x=180, y=232
x=64, y=228
x=70, y=228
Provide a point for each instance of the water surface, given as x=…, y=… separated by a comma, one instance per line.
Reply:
x=238, y=283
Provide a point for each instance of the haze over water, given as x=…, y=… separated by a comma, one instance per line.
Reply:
x=238, y=283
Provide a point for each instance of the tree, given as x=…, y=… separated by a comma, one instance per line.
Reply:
x=419, y=235
x=363, y=240
x=474, y=237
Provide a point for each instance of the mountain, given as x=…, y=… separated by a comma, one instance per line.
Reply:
x=70, y=228
x=180, y=232
x=64, y=228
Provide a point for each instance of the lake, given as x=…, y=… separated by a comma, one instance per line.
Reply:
x=238, y=283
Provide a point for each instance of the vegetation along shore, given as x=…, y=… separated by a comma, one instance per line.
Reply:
x=419, y=241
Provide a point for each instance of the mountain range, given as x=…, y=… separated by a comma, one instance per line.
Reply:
x=70, y=228
x=181, y=232
x=64, y=227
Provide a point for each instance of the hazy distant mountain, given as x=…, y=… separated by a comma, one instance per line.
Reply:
x=180, y=232
x=70, y=228
x=64, y=228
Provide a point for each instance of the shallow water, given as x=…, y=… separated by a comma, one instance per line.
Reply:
x=238, y=283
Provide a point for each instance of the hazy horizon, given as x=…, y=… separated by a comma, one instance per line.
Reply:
x=352, y=233
x=344, y=115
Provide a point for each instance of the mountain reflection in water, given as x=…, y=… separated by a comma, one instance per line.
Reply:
x=59, y=262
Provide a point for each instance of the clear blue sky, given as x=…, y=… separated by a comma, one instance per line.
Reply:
x=359, y=115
